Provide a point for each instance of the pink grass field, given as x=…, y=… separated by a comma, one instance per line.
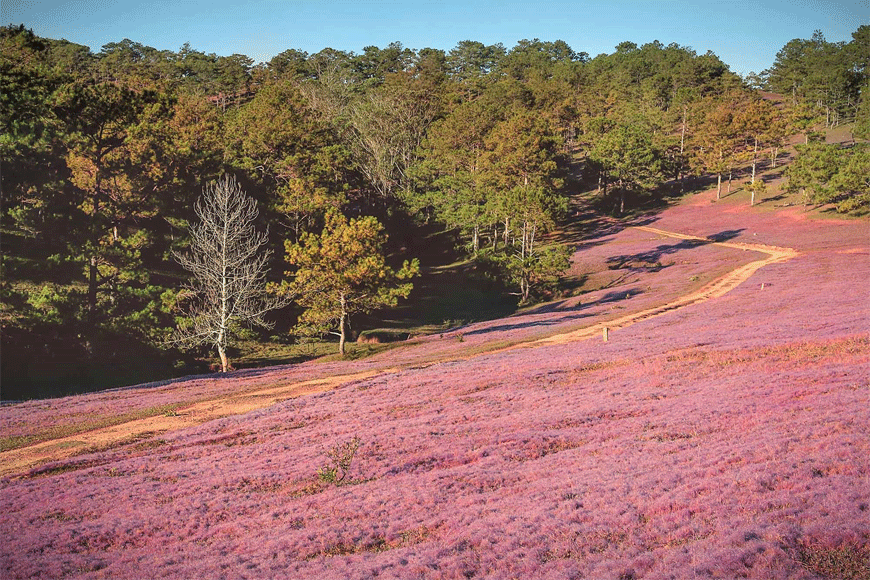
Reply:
x=727, y=439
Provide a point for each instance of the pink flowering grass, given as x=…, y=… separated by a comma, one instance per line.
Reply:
x=727, y=439
x=32, y=421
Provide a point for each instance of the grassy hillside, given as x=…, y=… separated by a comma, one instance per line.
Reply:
x=722, y=438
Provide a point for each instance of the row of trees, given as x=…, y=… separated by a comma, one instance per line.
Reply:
x=817, y=74
x=104, y=156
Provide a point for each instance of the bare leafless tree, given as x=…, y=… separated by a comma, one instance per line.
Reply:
x=228, y=260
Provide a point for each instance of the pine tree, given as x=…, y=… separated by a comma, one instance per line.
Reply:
x=342, y=272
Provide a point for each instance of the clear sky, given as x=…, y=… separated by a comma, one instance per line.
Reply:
x=746, y=34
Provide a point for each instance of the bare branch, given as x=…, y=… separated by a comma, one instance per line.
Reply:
x=227, y=260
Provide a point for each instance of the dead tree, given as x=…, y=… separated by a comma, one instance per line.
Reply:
x=227, y=260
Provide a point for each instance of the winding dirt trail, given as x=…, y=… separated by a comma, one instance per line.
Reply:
x=18, y=461
x=715, y=289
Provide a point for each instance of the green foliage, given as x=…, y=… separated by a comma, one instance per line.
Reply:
x=534, y=58
x=628, y=155
x=53, y=305
x=862, y=118
x=292, y=150
x=341, y=458
x=489, y=168
x=31, y=180
x=341, y=272
x=757, y=189
x=289, y=64
x=375, y=64
x=824, y=74
x=535, y=275
x=826, y=173
x=850, y=186
x=104, y=153
x=470, y=64
x=813, y=169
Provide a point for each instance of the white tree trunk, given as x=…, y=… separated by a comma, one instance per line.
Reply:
x=342, y=325
x=754, y=159
x=228, y=262
x=225, y=364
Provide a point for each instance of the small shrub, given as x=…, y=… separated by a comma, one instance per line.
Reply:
x=341, y=457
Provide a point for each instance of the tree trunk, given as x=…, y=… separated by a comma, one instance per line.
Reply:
x=92, y=290
x=718, y=186
x=93, y=272
x=754, y=160
x=621, y=197
x=683, y=131
x=221, y=344
x=532, y=239
x=225, y=365
x=523, y=243
x=342, y=324
x=475, y=243
x=682, y=145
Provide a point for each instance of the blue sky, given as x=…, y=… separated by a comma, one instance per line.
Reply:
x=746, y=34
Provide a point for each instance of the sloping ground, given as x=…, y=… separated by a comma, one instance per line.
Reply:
x=725, y=437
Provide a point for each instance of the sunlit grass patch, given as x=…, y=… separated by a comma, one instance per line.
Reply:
x=84, y=424
x=849, y=560
x=806, y=352
x=374, y=543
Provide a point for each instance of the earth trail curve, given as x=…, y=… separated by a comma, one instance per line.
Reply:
x=19, y=461
x=715, y=289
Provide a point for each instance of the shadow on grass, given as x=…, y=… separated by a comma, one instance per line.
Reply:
x=651, y=260
x=571, y=313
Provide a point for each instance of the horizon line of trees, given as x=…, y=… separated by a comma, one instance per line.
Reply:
x=105, y=154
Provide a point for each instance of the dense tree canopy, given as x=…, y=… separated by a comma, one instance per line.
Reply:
x=826, y=75
x=104, y=153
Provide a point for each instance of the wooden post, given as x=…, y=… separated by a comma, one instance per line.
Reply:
x=606, y=330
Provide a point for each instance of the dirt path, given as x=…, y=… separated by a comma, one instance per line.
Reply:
x=20, y=460
x=715, y=289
